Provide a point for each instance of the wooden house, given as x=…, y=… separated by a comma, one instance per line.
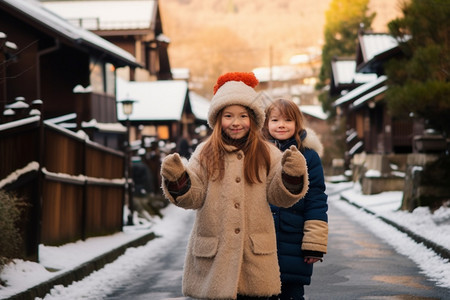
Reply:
x=375, y=139
x=370, y=128
x=344, y=77
x=71, y=69
x=133, y=25
x=164, y=109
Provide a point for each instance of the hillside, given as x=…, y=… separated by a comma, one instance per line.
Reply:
x=213, y=36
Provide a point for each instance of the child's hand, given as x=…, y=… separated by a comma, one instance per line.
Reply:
x=293, y=162
x=312, y=260
x=172, y=167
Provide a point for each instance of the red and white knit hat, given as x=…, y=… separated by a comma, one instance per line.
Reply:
x=236, y=88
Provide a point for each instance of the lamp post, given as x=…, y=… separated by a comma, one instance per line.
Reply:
x=127, y=108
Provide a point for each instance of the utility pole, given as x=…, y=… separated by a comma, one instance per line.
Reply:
x=270, y=69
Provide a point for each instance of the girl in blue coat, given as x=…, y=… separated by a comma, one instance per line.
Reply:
x=302, y=229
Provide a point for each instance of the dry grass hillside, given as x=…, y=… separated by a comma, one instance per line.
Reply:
x=210, y=37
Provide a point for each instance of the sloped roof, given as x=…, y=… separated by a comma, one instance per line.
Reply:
x=279, y=73
x=315, y=111
x=360, y=90
x=374, y=49
x=106, y=15
x=373, y=44
x=368, y=96
x=161, y=100
x=34, y=10
x=344, y=72
x=199, y=105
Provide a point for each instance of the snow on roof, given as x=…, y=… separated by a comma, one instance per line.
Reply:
x=369, y=96
x=344, y=72
x=156, y=100
x=314, y=111
x=180, y=73
x=199, y=105
x=300, y=59
x=290, y=90
x=278, y=73
x=105, y=127
x=374, y=44
x=364, y=77
x=356, y=147
x=359, y=90
x=35, y=10
x=106, y=15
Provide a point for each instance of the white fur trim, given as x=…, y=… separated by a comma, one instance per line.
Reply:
x=312, y=141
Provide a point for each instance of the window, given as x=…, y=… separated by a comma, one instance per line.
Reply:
x=103, y=77
x=97, y=82
x=110, y=78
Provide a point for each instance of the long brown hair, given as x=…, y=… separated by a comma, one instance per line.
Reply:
x=288, y=109
x=257, y=155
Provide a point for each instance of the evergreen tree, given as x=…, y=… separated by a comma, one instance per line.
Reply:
x=343, y=20
x=419, y=83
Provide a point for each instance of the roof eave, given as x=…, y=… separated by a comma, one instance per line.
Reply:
x=77, y=42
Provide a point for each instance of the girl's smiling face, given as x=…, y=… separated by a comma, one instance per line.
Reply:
x=280, y=126
x=235, y=121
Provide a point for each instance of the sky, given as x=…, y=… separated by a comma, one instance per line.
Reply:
x=22, y=275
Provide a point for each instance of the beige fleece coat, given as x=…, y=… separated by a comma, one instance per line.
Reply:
x=232, y=248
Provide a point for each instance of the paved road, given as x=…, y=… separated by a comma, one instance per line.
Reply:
x=161, y=279
x=361, y=266
x=358, y=266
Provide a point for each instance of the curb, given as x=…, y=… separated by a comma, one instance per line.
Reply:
x=81, y=271
x=438, y=249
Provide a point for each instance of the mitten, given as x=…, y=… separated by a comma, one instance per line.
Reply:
x=172, y=167
x=293, y=162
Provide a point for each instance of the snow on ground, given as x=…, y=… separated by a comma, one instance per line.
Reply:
x=22, y=275
x=433, y=226
x=420, y=221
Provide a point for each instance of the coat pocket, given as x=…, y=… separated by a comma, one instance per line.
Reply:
x=205, y=246
x=262, y=243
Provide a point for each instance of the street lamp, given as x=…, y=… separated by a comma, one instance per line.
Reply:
x=127, y=109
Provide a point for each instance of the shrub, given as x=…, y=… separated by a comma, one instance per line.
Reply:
x=10, y=211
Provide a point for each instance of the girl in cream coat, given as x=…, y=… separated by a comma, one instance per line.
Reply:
x=230, y=180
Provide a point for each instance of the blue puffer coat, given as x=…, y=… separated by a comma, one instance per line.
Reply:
x=303, y=228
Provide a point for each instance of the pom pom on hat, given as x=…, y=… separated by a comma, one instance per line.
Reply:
x=247, y=78
x=236, y=88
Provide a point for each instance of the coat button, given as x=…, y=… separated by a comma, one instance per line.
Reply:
x=239, y=156
x=237, y=205
x=237, y=230
x=238, y=179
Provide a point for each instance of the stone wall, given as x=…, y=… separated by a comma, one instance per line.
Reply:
x=376, y=185
x=421, y=189
x=378, y=172
x=423, y=178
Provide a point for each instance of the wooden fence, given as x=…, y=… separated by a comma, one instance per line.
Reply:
x=74, y=188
